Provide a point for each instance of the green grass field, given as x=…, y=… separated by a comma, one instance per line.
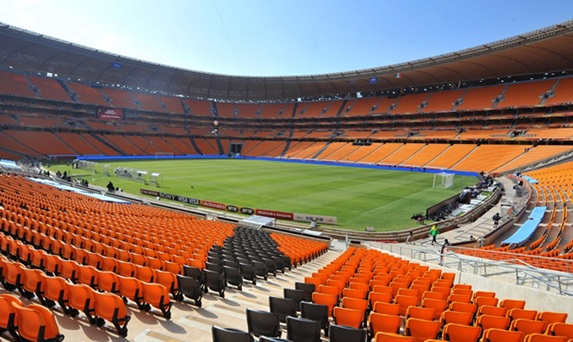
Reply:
x=358, y=197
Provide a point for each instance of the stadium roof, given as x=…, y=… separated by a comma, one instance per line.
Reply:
x=546, y=50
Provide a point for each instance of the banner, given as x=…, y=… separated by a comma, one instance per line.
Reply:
x=315, y=218
x=110, y=114
x=275, y=214
x=283, y=215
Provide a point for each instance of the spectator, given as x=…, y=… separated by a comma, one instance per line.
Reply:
x=434, y=232
x=443, y=251
x=110, y=187
x=496, y=218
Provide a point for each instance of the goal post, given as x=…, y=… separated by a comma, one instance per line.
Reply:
x=443, y=180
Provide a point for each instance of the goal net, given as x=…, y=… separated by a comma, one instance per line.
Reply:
x=443, y=180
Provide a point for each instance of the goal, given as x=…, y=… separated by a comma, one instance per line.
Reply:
x=443, y=180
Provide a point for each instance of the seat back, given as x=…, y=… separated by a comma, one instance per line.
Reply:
x=348, y=317
x=488, y=321
x=386, y=308
x=382, y=322
x=307, y=288
x=338, y=333
x=535, y=337
x=391, y=337
x=296, y=295
x=36, y=323
x=230, y=335
x=421, y=329
x=419, y=312
x=263, y=323
x=528, y=326
x=458, y=317
x=560, y=329
x=282, y=307
x=329, y=300
x=316, y=312
x=302, y=329
x=502, y=335
x=454, y=332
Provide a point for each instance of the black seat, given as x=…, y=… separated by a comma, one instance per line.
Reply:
x=260, y=269
x=230, y=335
x=193, y=272
x=248, y=272
x=234, y=276
x=215, y=281
x=297, y=295
x=214, y=267
x=271, y=266
x=190, y=288
x=307, y=288
x=315, y=312
x=339, y=333
x=282, y=307
x=263, y=323
x=302, y=329
x=273, y=339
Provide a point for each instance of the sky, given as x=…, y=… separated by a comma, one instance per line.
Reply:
x=282, y=38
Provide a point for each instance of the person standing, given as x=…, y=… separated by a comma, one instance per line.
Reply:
x=434, y=232
x=443, y=251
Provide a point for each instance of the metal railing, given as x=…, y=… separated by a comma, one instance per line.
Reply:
x=514, y=268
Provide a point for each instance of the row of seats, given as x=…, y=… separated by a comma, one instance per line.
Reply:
x=499, y=96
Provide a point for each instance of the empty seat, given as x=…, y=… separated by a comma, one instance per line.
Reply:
x=111, y=307
x=535, y=337
x=378, y=322
x=338, y=333
x=191, y=288
x=36, y=323
x=454, y=332
x=348, y=317
x=302, y=329
x=391, y=337
x=230, y=335
x=157, y=295
x=528, y=326
x=421, y=329
x=501, y=335
x=215, y=281
x=488, y=321
x=263, y=323
x=82, y=299
x=316, y=312
x=282, y=307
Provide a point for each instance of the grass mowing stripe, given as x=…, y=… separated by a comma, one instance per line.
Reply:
x=358, y=197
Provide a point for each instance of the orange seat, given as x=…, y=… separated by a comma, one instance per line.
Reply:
x=454, y=332
x=327, y=299
x=33, y=284
x=419, y=312
x=145, y=274
x=458, y=317
x=391, y=337
x=462, y=306
x=354, y=293
x=82, y=298
x=492, y=301
x=439, y=306
x=502, y=335
x=560, y=329
x=512, y=303
x=169, y=280
x=53, y=264
x=516, y=313
x=157, y=295
x=374, y=297
x=421, y=329
x=112, y=308
x=88, y=275
x=56, y=291
x=535, y=337
x=348, y=317
x=528, y=326
x=386, y=308
x=378, y=322
x=70, y=270
x=404, y=302
x=108, y=282
x=491, y=310
x=551, y=316
x=36, y=323
x=488, y=321
x=8, y=315
x=131, y=288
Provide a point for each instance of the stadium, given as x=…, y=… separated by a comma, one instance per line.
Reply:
x=99, y=241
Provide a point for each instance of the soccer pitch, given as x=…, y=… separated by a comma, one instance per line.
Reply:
x=358, y=197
